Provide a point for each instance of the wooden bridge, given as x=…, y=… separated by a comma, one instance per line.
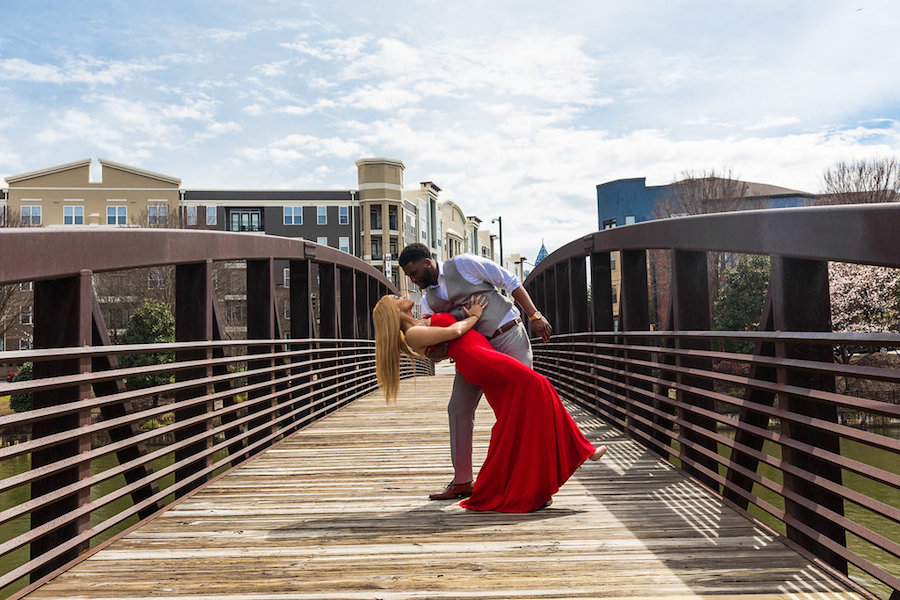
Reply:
x=339, y=510
x=267, y=466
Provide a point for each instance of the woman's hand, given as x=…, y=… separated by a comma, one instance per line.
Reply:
x=476, y=306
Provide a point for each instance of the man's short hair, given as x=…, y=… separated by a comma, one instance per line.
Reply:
x=413, y=253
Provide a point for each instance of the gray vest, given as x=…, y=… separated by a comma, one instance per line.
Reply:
x=459, y=290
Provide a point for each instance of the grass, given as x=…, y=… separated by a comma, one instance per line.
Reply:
x=4, y=406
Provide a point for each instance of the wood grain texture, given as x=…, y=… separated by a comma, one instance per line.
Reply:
x=340, y=511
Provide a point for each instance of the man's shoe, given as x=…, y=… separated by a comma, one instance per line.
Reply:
x=453, y=491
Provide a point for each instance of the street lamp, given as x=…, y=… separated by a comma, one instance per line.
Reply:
x=499, y=220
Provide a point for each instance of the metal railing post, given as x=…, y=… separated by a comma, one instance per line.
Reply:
x=193, y=322
x=62, y=318
x=801, y=302
x=690, y=312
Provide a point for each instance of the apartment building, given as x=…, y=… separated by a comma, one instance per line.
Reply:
x=89, y=192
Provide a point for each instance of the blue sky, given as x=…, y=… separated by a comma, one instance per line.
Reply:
x=515, y=109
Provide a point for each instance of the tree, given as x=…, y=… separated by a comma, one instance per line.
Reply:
x=862, y=181
x=22, y=402
x=706, y=192
x=864, y=298
x=740, y=301
x=153, y=323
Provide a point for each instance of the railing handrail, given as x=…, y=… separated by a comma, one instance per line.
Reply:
x=835, y=233
x=69, y=250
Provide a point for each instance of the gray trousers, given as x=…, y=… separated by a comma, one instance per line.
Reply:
x=465, y=397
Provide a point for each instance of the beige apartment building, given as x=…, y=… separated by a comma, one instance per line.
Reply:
x=454, y=229
x=89, y=193
x=380, y=183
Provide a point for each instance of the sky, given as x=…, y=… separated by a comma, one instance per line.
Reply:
x=516, y=109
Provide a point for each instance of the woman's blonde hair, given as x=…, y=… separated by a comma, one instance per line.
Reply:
x=390, y=343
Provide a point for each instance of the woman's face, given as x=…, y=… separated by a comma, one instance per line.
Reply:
x=403, y=304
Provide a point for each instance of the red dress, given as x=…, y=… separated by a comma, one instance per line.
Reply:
x=535, y=445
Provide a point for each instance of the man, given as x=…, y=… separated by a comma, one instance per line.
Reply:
x=447, y=287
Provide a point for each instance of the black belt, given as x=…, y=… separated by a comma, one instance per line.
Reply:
x=505, y=327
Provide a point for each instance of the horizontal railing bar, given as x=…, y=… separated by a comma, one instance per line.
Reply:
x=72, y=352
x=49, y=383
x=820, y=337
x=100, y=426
x=856, y=371
x=882, y=442
x=62, y=409
x=866, y=404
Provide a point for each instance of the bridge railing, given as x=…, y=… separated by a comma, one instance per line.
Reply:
x=766, y=419
x=95, y=455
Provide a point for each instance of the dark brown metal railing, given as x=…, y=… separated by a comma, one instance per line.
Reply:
x=770, y=434
x=87, y=467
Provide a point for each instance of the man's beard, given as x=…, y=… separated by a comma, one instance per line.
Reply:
x=428, y=279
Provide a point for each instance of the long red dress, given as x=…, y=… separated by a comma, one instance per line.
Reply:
x=535, y=445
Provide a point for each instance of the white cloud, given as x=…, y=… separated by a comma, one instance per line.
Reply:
x=80, y=70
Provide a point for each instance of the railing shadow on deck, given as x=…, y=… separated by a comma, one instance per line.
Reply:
x=88, y=468
x=753, y=416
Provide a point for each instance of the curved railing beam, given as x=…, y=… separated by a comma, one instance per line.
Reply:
x=65, y=252
x=846, y=233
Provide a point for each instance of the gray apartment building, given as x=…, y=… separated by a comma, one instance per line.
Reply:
x=327, y=217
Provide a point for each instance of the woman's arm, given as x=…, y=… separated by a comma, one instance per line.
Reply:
x=420, y=337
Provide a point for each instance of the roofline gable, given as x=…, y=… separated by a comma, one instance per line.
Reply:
x=136, y=171
x=48, y=171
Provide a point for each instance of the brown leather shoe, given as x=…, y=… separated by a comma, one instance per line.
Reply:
x=452, y=491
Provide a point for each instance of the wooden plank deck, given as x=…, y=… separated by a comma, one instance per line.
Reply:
x=340, y=511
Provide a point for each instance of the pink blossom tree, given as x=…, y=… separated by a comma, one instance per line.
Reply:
x=864, y=298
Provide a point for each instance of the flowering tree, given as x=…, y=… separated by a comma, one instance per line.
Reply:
x=863, y=298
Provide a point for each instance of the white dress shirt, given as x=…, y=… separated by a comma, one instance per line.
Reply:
x=476, y=269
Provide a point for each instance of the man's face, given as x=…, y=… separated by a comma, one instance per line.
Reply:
x=420, y=273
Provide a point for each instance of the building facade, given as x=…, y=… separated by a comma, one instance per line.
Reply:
x=89, y=192
x=380, y=182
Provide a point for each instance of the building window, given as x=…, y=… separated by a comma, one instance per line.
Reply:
x=211, y=215
x=293, y=215
x=376, y=248
x=392, y=218
x=245, y=220
x=287, y=278
x=344, y=244
x=26, y=286
x=191, y=214
x=26, y=315
x=322, y=215
x=609, y=223
x=31, y=215
x=612, y=261
x=629, y=219
x=117, y=215
x=73, y=215
x=615, y=295
x=157, y=215
x=393, y=247
x=25, y=343
x=287, y=312
x=323, y=240
x=375, y=217
x=344, y=215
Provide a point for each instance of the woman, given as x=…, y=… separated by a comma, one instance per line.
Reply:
x=535, y=445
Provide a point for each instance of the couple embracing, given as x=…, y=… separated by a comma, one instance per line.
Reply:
x=535, y=445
